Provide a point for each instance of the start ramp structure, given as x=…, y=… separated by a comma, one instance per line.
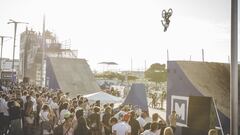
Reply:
x=71, y=75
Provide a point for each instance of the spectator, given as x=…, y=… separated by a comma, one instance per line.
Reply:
x=154, y=129
x=141, y=119
x=75, y=104
x=95, y=121
x=122, y=112
x=121, y=127
x=15, y=118
x=212, y=132
x=4, y=115
x=28, y=116
x=81, y=128
x=135, y=126
x=55, y=107
x=173, y=120
x=68, y=124
x=106, y=119
x=24, y=96
x=98, y=103
x=161, y=124
x=63, y=112
x=46, y=120
x=168, y=131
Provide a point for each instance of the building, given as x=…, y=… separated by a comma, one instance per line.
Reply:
x=7, y=64
x=6, y=69
x=54, y=65
x=31, y=64
x=30, y=55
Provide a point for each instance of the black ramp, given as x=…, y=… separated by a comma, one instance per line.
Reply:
x=137, y=96
x=199, y=113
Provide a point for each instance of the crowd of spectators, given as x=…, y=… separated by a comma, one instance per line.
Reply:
x=27, y=109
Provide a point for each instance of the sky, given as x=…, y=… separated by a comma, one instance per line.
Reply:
x=125, y=30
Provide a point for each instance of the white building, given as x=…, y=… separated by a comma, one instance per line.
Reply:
x=6, y=64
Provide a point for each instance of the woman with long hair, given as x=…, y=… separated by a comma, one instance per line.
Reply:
x=95, y=121
x=81, y=128
x=46, y=119
x=168, y=131
x=212, y=132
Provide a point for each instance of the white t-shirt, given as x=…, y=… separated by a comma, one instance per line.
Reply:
x=1, y=105
x=34, y=103
x=54, y=105
x=4, y=107
x=121, y=128
x=44, y=117
x=141, y=121
x=148, y=119
x=49, y=101
x=24, y=99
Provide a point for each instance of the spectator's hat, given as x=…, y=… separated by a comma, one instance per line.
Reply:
x=67, y=115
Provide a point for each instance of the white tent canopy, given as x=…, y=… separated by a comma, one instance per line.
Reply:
x=103, y=97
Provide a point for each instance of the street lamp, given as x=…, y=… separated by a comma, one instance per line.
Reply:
x=14, y=41
x=234, y=69
x=2, y=38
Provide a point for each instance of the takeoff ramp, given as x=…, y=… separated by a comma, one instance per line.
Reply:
x=201, y=79
x=70, y=75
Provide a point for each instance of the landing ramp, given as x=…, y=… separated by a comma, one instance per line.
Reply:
x=188, y=78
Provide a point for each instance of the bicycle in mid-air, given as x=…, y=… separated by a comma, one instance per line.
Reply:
x=166, y=21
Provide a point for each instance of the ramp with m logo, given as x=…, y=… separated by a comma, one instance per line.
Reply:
x=202, y=79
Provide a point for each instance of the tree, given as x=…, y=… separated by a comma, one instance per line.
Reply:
x=132, y=78
x=120, y=77
x=114, y=75
x=156, y=73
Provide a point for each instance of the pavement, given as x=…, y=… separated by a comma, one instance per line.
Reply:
x=162, y=113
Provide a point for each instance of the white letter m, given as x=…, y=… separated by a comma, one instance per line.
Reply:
x=180, y=110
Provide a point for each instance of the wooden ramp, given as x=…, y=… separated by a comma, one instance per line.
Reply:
x=72, y=75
